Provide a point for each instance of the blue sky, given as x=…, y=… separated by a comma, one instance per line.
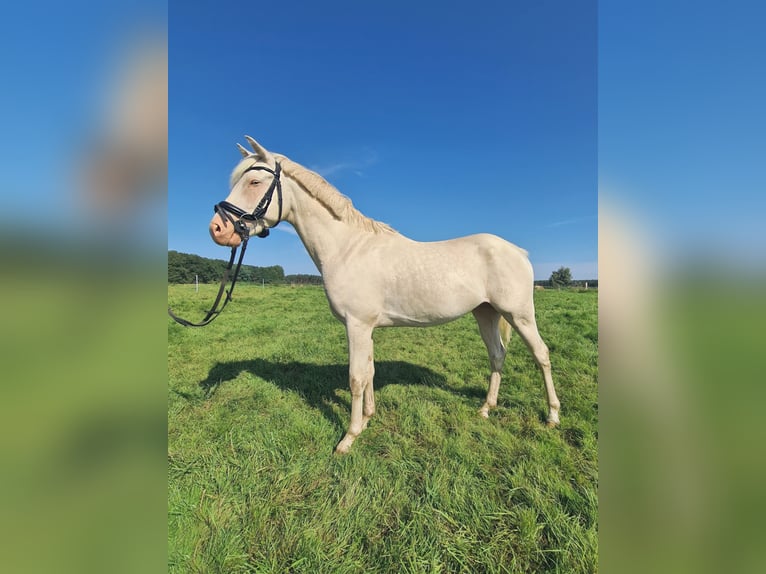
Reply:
x=494, y=102
x=441, y=123
x=58, y=61
x=682, y=125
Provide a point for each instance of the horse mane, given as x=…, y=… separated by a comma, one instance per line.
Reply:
x=340, y=206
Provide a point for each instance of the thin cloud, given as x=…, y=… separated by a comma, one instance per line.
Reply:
x=356, y=165
x=328, y=170
x=572, y=221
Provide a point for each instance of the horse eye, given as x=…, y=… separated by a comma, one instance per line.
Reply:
x=253, y=182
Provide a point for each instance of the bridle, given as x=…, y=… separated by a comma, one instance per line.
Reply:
x=239, y=218
x=230, y=211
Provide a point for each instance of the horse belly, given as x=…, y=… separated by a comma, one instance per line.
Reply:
x=434, y=290
x=400, y=282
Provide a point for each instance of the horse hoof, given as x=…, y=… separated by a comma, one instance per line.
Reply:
x=345, y=445
x=484, y=413
x=551, y=424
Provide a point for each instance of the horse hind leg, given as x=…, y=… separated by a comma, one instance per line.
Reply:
x=495, y=333
x=526, y=326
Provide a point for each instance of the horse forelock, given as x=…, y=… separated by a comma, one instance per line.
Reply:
x=244, y=164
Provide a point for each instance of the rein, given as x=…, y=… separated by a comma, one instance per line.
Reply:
x=230, y=211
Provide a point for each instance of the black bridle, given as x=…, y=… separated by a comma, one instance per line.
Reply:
x=230, y=211
x=239, y=218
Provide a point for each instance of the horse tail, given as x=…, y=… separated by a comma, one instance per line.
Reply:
x=505, y=331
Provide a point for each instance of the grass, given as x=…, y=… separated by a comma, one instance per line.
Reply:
x=259, y=399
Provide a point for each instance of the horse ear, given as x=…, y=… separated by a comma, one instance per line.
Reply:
x=259, y=150
x=243, y=151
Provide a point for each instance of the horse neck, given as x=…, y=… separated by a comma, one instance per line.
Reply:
x=324, y=236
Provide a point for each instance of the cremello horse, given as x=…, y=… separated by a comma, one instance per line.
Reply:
x=375, y=277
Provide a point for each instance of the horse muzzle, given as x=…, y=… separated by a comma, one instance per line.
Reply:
x=223, y=232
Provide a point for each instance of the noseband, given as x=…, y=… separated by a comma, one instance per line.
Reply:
x=239, y=218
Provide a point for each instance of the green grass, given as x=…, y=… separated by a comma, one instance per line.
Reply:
x=259, y=399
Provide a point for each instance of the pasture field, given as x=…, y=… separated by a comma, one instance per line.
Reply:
x=259, y=399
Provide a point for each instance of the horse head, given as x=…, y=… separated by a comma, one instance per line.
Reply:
x=249, y=209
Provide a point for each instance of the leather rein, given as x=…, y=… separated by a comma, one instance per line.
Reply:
x=239, y=218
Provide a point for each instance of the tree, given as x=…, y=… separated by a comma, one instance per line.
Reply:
x=183, y=267
x=303, y=279
x=562, y=277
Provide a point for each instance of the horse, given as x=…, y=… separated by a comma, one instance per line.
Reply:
x=376, y=277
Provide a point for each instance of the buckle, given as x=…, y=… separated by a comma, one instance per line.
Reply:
x=241, y=229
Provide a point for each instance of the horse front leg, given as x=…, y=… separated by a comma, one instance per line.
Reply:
x=369, y=398
x=360, y=373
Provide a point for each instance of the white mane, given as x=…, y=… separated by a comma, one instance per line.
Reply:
x=336, y=203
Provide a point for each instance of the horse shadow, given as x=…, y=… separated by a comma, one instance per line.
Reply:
x=317, y=384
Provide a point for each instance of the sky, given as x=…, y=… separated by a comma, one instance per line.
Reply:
x=682, y=125
x=59, y=63
x=514, y=106
x=441, y=123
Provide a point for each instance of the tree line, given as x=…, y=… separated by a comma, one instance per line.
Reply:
x=187, y=268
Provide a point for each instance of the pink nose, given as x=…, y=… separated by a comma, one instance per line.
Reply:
x=222, y=232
